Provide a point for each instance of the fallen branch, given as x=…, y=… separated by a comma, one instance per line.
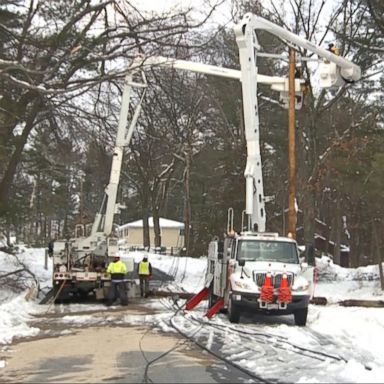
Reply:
x=12, y=273
x=26, y=269
x=20, y=278
x=319, y=301
x=362, y=303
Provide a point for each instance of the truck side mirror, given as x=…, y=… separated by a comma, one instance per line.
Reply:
x=241, y=263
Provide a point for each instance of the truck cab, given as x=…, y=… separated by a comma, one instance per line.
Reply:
x=238, y=269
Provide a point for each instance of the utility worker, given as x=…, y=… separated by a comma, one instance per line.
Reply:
x=332, y=48
x=117, y=269
x=144, y=270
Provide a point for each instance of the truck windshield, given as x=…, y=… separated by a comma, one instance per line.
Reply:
x=259, y=250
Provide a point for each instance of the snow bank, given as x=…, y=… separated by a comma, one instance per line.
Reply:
x=357, y=328
x=188, y=272
x=354, y=329
x=14, y=316
x=337, y=283
x=15, y=311
x=329, y=271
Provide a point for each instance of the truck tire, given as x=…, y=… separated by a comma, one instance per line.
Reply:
x=301, y=316
x=233, y=312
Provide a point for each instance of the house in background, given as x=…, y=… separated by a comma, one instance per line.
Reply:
x=172, y=235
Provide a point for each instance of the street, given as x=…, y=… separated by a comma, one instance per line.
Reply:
x=111, y=353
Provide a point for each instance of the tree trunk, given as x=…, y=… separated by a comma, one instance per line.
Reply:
x=372, y=245
x=309, y=224
x=381, y=271
x=159, y=196
x=156, y=228
x=336, y=256
x=357, y=249
x=6, y=181
x=308, y=160
x=378, y=255
x=146, y=237
x=187, y=202
x=145, y=216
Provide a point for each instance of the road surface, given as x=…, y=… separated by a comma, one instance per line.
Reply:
x=112, y=353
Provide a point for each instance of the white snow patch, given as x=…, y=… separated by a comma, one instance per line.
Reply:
x=353, y=334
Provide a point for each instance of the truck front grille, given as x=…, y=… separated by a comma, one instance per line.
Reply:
x=259, y=277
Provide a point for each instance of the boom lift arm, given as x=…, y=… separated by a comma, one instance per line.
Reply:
x=104, y=218
x=341, y=70
x=122, y=140
x=349, y=72
x=240, y=276
x=249, y=77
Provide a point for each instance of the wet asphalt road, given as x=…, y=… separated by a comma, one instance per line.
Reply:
x=69, y=350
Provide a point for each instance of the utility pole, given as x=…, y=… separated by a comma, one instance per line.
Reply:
x=292, y=215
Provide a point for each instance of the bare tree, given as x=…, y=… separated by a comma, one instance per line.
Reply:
x=79, y=47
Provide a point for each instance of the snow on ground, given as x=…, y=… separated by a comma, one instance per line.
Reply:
x=355, y=329
x=15, y=311
x=354, y=332
x=337, y=283
x=189, y=273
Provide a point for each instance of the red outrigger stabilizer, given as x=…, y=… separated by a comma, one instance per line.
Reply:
x=191, y=303
x=215, y=307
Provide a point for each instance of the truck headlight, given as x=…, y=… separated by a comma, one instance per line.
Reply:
x=301, y=284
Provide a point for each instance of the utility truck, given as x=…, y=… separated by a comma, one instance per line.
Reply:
x=254, y=270
x=258, y=271
x=251, y=270
x=80, y=263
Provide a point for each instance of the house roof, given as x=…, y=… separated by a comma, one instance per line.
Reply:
x=164, y=223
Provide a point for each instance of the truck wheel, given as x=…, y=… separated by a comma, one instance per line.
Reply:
x=301, y=316
x=233, y=312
